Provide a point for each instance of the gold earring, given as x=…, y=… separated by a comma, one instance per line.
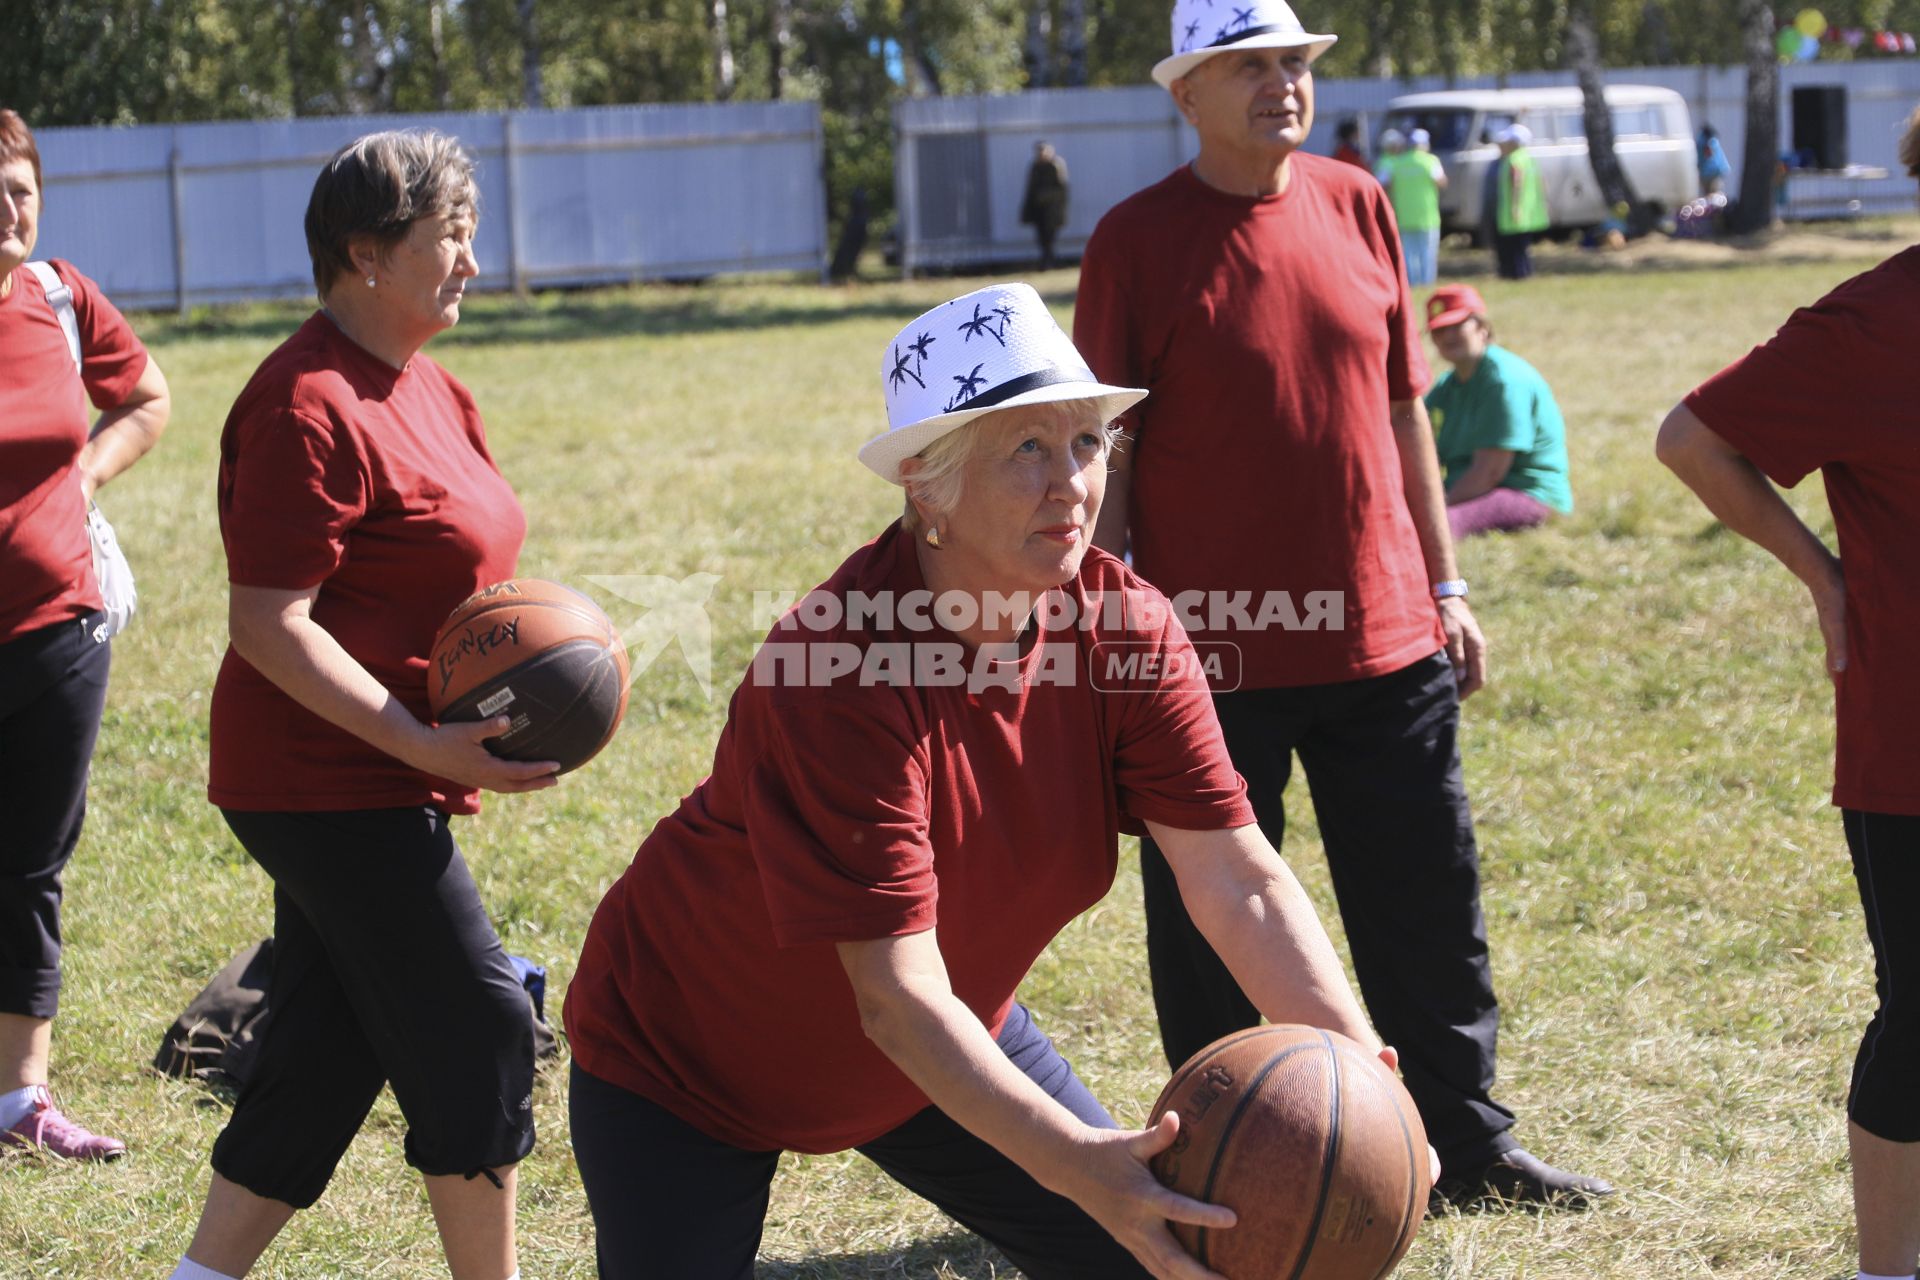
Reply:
x=933, y=538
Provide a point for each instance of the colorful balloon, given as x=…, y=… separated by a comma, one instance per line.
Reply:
x=1811, y=22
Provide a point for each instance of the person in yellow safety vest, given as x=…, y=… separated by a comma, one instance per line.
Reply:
x=1521, y=204
x=1414, y=179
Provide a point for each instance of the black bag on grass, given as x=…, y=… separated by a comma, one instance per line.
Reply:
x=217, y=1038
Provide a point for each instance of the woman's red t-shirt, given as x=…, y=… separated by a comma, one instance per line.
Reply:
x=850, y=803
x=46, y=560
x=375, y=485
x=1832, y=393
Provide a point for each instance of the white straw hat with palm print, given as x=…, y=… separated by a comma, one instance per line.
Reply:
x=1202, y=28
x=995, y=348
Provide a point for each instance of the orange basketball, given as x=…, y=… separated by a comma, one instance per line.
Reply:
x=540, y=653
x=1311, y=1141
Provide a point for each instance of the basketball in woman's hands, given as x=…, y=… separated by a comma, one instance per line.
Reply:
x=1311, y=1141
x=541, y=654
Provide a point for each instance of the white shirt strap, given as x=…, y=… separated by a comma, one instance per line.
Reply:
x=60, y=298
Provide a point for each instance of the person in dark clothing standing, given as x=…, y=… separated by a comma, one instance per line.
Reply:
x=1044, y=207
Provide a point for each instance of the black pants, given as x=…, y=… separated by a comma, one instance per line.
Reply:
x=1885, y=1097
x=1513, y=255
x=1046, y=233
x=671, y=1203
x=53, y=688
x=1383, y=767
x=385, y=970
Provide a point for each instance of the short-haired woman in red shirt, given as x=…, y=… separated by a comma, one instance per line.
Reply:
x=358, y=504
x=53, y=633
x=1832, y=393
x=921, y=781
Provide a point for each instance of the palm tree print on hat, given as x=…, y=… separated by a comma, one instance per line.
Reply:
x=984, y=324
x=900, y=373
x=1193, y=29
x=1242, y=19
x=970, y=385
x=919, y=348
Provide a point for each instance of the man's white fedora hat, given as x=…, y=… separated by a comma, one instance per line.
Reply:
x=1202, y=28
x=995, y=348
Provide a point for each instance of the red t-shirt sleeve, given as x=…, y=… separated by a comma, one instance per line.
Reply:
x=836, y=815
x=289, y=491
x=1407, y=374
x=1102, y=318
x=111, y=357
x=1170, y=761
x=1776, y=404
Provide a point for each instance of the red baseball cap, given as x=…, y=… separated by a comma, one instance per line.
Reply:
x=1452, y=303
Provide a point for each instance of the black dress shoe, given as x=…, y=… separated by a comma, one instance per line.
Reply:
x=1520, y=1177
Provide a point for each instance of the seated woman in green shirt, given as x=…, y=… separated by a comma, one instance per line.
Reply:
x=1503, y=445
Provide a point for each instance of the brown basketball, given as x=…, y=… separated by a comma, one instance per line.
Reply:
x=1311, y=1141
x=540, y=653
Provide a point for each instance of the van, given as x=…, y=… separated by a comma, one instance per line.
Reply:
x=1652, y=133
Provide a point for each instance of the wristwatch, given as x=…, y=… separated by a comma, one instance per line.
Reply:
x=1449, y=589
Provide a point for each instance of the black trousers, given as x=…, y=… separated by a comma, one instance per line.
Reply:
x=1513, y=255
x=1383, y=766
x=1046, y=233
x=671, y=1203
x=385, y=970
x=1884, y=1099
x=53, y=688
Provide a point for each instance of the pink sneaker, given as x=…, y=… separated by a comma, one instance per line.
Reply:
x=45, y=1129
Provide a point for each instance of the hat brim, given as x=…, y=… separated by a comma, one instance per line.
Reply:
x=884, y=453
x=1167, y=70
x=1447, y=319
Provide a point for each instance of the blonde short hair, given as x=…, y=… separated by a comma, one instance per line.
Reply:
x=938, y=481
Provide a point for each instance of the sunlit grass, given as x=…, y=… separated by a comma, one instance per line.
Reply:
x=1671, y=913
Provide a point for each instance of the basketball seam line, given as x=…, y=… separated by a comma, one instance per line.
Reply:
x=1327, y=1163
x=1226, y=1135
x=1409, y=1223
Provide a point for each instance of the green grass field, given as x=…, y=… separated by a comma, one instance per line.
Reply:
x=1672, y=916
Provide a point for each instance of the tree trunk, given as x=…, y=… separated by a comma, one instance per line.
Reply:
x=1754, y=212
x=1379, y=56
x=1656, y=34
x=370, y=89
x=533, y=88
x=723, y=70
x=779, y=46
x=437, y=50
x=1583, y=50
x=1073, y=41
x=919, y=58
x=296, y=81
x=1035, y=52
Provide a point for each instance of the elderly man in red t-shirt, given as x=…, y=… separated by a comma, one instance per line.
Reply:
x=1281, y=487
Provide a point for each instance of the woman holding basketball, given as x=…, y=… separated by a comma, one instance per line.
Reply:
x=921, y=781
x=358, y=505
x=53, y=633
x=1829, y=393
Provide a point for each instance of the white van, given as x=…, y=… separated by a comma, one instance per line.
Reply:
x=1652, y=130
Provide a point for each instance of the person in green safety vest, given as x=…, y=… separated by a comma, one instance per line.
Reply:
x=1521, y=203
x=1414, y=179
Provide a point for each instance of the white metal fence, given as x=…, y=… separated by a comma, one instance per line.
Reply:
x=960, y=164
x=171, y=215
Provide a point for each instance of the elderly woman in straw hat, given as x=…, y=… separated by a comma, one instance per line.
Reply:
x=921, y=781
